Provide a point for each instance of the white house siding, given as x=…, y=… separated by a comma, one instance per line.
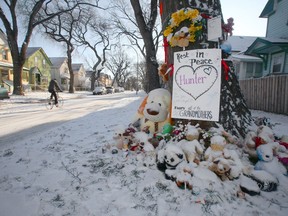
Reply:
x=277, y=23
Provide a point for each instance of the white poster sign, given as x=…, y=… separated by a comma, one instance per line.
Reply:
x=214, y=28
x=197, y=84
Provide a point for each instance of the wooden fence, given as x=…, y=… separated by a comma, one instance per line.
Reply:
x=268, y=94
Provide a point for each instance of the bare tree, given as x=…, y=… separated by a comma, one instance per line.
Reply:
x=118, y=65
x=60, y=29
x=38, y=12
x=94, y=34
x=141, y=30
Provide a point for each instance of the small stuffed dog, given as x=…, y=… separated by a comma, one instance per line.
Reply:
x=169, y=157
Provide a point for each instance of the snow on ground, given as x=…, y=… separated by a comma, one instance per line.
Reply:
x=69, y=171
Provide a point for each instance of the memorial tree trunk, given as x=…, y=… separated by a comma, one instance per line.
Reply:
x=234, y=114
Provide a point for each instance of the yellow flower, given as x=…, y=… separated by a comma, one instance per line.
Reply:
x=192, y=14
x=168, y=31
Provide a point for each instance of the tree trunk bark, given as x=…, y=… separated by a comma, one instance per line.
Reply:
x=234, y=116
x=71, y=85
x=152, y=78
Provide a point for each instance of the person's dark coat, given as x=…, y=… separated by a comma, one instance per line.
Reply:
x=53, y=86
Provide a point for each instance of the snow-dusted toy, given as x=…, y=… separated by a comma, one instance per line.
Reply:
x=192, y=149
x=267, y=160
x=169, y=157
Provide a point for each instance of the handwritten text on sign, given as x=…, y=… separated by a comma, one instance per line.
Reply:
x=196, y=84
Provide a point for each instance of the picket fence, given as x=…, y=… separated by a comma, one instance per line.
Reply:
x=268, y=94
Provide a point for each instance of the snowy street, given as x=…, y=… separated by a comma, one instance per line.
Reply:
x=23, y=117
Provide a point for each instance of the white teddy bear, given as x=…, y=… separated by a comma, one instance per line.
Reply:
x=154, y=112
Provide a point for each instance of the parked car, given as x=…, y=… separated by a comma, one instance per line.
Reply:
x=110, y=89
x=99, y=90
x=4, y=93
x=119, y=89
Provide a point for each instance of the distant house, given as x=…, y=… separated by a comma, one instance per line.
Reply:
x=79, y=75
x=39, y=66
x=245, y=66
x=60, y=71
x=273, y=49
x=6, y=64
x=103, y=80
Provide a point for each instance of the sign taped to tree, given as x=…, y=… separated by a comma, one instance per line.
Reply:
x=197, y=84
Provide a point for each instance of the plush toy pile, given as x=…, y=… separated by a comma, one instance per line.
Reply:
x=183, y=151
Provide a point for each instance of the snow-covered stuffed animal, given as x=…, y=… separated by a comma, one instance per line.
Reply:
x=172, y=161
x=265, y=134
x=182, y=175
x=169, y=157
x=249, y=145
x=228, y=165
x=192, y=149
x=267, y=160
x=123, y=137
x=217, y=144
x=141, y=142
x=192, y=132
x=221, y=167
x=154, y=112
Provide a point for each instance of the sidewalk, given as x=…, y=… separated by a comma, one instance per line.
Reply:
x=39, y=96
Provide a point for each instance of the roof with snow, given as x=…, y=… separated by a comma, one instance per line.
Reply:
x=240, y=43
x=57, y=61
x=76, y=66
x=31, y=50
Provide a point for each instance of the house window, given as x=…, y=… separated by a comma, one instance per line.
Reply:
x=249, y=69
x=258, y=70
x=4, y=54
x=36, y=60
x=277, y=62
x=44, y=63
x=253, y=69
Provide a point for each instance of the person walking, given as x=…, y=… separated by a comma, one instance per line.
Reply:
x=53, y=89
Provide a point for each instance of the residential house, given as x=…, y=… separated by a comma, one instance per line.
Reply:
x=39, y=66
x=6, y=63
x=273, y=49
x=245, y=66
x=60, y=71
x=269, y=93
x=79, y=75
x=103, y=80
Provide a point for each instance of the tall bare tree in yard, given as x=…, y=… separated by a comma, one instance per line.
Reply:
x=36, y=13
x=118, y=65
x=93, y=33
x=143, y=34
x=60, y=29
x=234, y=114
